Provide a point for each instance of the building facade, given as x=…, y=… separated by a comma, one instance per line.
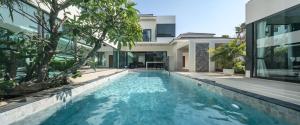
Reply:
x=160, y=47
x=273, y=39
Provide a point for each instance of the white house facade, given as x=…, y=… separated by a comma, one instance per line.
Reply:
x=160, y=47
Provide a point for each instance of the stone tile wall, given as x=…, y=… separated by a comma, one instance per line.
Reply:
x=202, y=57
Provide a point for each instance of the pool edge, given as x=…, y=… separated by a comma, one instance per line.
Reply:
x=21, y=112
x=287, y=111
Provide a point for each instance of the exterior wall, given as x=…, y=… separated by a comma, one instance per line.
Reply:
x=258, y=9
x=164, y=39
x=196, y=35
x=149, y=23
x=166, y=20
x=175, y=59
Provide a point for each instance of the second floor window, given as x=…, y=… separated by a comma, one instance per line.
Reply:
x=147, y=35
x=165, y=30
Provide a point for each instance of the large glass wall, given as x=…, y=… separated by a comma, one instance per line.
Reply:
x=139, y=59
x=278, y=46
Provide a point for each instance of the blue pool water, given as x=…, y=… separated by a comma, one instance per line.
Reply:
x=154, y=98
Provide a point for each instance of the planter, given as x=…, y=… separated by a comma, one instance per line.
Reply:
x=247, y=74
x=228, y=71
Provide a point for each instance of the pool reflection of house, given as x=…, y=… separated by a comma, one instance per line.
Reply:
x=188, y=51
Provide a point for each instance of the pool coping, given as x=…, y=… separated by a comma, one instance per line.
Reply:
x=61, y=95
x=247, y=93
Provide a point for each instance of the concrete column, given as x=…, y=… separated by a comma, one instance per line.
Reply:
x=212, y=68
x=192, y=57
x=179, y=60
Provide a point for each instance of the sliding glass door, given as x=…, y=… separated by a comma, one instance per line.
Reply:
x=278, y=46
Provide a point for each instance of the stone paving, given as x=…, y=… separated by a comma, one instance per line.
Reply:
x=91, y=74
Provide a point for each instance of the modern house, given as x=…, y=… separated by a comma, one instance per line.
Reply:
x=160, y=46
x=187, y=52
x=273, y=39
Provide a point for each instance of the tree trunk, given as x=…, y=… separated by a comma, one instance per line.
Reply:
x=92, y=53
x=48, y=53
x=75, y=48
x=84, y=60
x=39, y=70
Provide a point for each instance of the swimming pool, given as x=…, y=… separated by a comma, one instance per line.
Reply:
x=155, y=98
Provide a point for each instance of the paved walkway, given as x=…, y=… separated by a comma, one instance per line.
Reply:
x=89, y=75
x=285, y=91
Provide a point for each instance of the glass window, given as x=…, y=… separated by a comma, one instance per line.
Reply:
x=139, y=59
x=165, y=30
x=101, y=60
x=278, y=46
x=147, y=35
x=20, y=21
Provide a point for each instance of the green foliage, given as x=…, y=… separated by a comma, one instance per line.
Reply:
x=225, y=36
x=76, y=74
x=230, y=55
x=16, y=48
x=61, y=65
x=118, y=18
x=239, y=66
x=98, y=21
x=6, y=87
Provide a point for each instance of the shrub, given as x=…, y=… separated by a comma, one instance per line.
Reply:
x=239, y=66
x=61, y=65
x=6, y=87
x=76, y=74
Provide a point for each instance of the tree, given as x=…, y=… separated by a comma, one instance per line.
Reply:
x=99, y=20
x=225, y=36
x=116, y=21
x=47, y=49
x=239, y=30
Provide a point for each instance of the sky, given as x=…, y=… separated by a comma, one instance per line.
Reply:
x=204, y=16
